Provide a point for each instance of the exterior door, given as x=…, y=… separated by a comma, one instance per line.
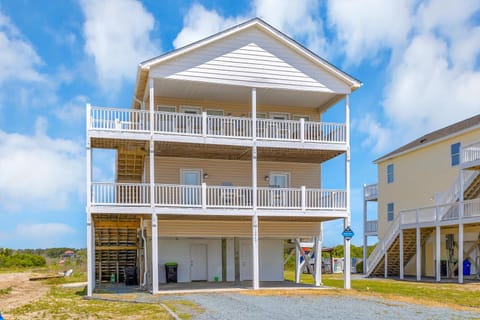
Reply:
x=246, y=262
x=279, y=196
x=191, y=179
x=198, y=262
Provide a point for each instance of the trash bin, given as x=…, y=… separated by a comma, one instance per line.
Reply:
x=466, y=267
x=171, y=272
x=131, y=276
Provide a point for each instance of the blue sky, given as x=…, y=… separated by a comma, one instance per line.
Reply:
x=419, y=62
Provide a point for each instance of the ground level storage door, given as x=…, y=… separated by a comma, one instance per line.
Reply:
x=198, y=262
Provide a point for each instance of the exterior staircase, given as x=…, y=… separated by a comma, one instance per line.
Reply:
x=393, y=252
x=130, y=165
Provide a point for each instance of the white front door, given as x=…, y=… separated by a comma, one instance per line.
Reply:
x=246, y=262
x=198, y=262
x=191, y=195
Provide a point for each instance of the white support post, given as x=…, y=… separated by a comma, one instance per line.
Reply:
x=298, y=272
x=385, y=265
x=437, y=254
x=204, y=124
x=255, y=251
x=90, y=232
x=419, y=254
x=154, y=254
x=304, y=198
x=151, y=84
x=402, y=263
x=302, y=130
x=204, y=195
x=460, y=251
x=346, y=243
x=318, y=257
x=365, y=237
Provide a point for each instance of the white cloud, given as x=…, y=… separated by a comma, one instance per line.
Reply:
x=18, y=59
x=72, y=111
x=379, y=137
x=43, y=235
x=38, y=170
x=200, y=23
x=117, y=36
x=295, y=18
x=364, y=27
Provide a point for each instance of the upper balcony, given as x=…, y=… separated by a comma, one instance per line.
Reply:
x=132, y=124
x=370, y=192
x=471, y=156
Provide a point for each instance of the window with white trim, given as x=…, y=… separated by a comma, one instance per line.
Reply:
x=455, y=154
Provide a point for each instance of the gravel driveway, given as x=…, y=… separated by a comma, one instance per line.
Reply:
x=240, y=306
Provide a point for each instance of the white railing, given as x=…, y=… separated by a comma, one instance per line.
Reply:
x=453, y=192
x=119, y=119
x=370, y=191
x=120, y=194
x=383, y=245
x=471, y=152
x=203, y=196
x=326, y=199
x=371, y=226
x=471, y=208
x=325, y=132
x=237, y=127
x=178, y=195
x=224, y=197
x=211, y=125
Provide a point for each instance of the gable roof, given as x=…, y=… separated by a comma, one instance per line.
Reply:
x=435, y=136
x=144, y=67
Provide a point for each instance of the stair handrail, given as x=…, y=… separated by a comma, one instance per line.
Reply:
x=383, y=245
x=468, y=178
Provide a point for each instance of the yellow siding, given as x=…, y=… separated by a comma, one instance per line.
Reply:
x=237, y=172
x=418, y=176
x=237, y=109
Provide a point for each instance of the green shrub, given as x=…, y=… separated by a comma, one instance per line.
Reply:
x=359, y=267
x=22, y=260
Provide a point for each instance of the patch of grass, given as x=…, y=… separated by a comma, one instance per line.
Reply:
x=183, y=308
x=68, y=303
x=5, y=291
x=450, y=294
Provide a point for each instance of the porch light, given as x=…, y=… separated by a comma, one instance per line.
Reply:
x=205, y=175
x=267, y=178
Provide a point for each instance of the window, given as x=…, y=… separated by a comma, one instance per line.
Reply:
x=390, y=209
x=298, y=117
x=214, y=112
x=390, y=173
x=455, y=154
x=279, y=115
x=166, y=108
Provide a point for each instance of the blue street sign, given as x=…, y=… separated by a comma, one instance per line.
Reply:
x=348, y=233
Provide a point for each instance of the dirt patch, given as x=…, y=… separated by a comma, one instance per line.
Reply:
x=21, y=292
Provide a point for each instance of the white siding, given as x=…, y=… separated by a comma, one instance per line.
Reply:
x=250, y=58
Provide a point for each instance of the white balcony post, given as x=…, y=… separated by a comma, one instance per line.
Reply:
x=204, y=124
x=365, y=237
x=154, y=254
x=298, y=272
x=346, y=242
x=204, y=195
x=255, y=251
x=151, y=84
x=460, y=251
x=402, y=263
x=302, y=130
x=437, y=253
x=90, y=255
x=385, y=265
x=304, y=198
x=419, y=253
x=318, y=257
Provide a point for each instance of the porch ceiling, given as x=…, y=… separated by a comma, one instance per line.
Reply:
x=125, y=144
x=228, y=152
x=229, y=93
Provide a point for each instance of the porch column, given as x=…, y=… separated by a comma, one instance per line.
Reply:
x=298, y=272
x=154, y=254
x=419, y=255
x=346, y=243
x=318, y=257
x=460, y=251
x=255, y=260
x=437, y=254
x=385, y=264
x=365, y=237
x=90, y=232
x=402, y=265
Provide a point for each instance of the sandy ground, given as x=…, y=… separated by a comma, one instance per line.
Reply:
x=22, y=291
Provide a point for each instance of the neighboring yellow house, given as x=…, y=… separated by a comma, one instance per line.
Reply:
x=428, y=186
